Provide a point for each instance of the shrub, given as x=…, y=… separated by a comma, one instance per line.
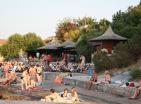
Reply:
x=135, y=73
x=102, y=61
x=122, y=56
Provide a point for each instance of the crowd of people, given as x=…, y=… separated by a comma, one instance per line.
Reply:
x=64, y=66
x=7, y=73
x=31, y=76
x=32, y=70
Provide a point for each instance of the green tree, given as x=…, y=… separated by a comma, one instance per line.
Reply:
x=28, y=42
x=72, y=29
x=128, y=23
x=68, y=29
x=4, y=50
x=32, y=41
x=87, y=24
x=13, y=46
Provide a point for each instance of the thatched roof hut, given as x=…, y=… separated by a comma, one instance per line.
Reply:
x=109, y=35
x=107, y=41
x=50, y=46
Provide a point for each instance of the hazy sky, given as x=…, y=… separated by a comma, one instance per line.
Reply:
x=42, y=16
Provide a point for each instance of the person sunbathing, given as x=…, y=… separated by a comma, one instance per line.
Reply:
x=107, y=78
x=65, y=94
x=54, y=96
x=92, y=80
x=74, y=95
x=137, y=91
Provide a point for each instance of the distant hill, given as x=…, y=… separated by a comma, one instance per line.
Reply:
x=2, y=41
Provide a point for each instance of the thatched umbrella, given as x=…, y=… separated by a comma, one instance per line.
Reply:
x=67, y=45
x=50, y=46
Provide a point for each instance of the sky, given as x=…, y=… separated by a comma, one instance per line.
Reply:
x=42, y=16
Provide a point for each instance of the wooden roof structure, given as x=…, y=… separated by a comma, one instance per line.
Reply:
x=50, y=46
x=109, y=35
x=67, y=44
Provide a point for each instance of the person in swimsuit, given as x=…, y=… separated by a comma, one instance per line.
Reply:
x=65, y=94
x=137, y=91
x=74, y=95
x=33, y=76
x=25, y=79
x=52, y=97
x=92, y=80
x=107, y=78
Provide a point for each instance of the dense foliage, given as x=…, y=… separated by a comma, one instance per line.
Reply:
x=119, y=59
x=72, y=29
x=127, y=24
x=28, y=42
x=135, y=73
x=32, y=41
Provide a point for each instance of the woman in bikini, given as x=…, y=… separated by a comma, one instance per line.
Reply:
x=92, y=80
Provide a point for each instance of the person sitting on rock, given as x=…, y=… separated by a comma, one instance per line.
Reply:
x=137, y=91
x=107, y=78
x=92, y=80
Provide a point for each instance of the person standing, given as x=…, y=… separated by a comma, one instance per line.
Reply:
x=82, y=64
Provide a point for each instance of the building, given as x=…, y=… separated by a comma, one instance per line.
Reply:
x=107, y=41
